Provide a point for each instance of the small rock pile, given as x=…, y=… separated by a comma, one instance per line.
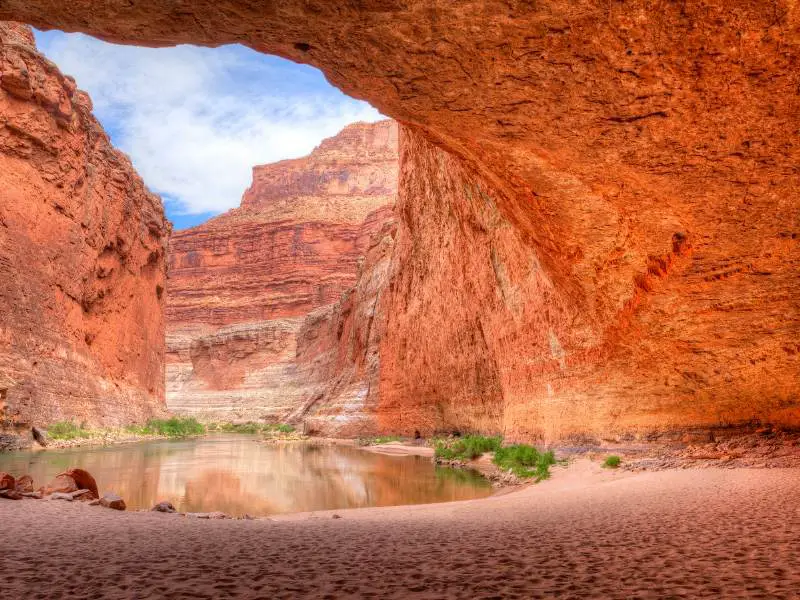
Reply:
x=73, y=484
x=762, y=448
x=77, y=484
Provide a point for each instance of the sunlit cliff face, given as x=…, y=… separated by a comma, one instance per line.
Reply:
x=242, y=286
x=598, y=204
x=82, y=256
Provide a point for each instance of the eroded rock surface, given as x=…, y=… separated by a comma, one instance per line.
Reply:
x=599, y=209
x=241, y=285
x=82, y=256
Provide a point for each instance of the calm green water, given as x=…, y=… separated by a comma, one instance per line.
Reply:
x=238, y=474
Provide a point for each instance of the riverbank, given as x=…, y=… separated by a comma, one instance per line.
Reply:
x=586, y=532
x=67, y=434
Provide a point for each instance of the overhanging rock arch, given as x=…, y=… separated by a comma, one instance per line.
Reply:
x=599, y=228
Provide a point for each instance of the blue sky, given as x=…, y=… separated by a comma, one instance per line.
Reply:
x=196, y=120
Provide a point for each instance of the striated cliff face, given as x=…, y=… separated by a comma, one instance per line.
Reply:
x=82, y=256
x=598, y=204
x=339, y=348
x=241, y=285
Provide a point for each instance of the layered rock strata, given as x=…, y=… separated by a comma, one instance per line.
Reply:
x=82, y=256
x=599, y=209
x=241, y=285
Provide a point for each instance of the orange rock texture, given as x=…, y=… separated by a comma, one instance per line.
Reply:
x=82, y=256
x=599, y=219
x=241, y=285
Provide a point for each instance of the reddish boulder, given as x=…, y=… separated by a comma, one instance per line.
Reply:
x=111, y=500
x=71, y=481
x=24, y=484
x=6, y=481
x=83, y=480
x=164, y=506
x=61, y=484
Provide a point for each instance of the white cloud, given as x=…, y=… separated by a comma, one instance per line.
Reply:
x=196, y=120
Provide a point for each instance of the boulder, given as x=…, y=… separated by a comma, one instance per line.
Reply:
x=164, y=506
x=39, y=436
x=71, y=481
x=61, y=496
x=83, y=480
x=6, y=481
x=111, y=500
x=24, y=484
x=61, y=484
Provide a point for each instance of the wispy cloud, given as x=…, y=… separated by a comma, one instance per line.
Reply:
x=195, y=120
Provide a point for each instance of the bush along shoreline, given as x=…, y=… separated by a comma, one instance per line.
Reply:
x=251, y=427
x=69, y=434
x=510, y=465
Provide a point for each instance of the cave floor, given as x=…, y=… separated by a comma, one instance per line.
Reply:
x=586, y=533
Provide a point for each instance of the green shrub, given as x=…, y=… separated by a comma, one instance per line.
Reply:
x=381, y=439
x=467, y=447
x=525, y=461
x=386, y=439
x=250, y=427
x=67, y=430
x=612, y=462
x=174, y=427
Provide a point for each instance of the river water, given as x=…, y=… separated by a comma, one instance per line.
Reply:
x=239, y=474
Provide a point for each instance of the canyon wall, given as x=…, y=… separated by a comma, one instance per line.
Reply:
x=500, y=340
x=82, y=257
x=241, y=285
x=599, y=217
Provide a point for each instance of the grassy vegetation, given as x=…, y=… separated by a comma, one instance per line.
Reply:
x=467, y=447
x=381, y=439
x=522, y=460
x=282, y=428
x=386, y=439
x=251, y=427
x=612, y=462
x=67, y=430
x=525, y=461
x=174, y=427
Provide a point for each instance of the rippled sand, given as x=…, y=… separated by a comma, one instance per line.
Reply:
x=586, y=533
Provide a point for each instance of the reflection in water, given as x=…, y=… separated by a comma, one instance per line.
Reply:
x=238, y=474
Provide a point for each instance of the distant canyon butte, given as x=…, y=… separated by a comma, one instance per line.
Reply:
x=595, y=234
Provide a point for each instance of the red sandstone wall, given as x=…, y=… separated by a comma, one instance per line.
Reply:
x=338, y=346
x=241, y=285
x=599, y=203
x=82, y=256
x=486, y=332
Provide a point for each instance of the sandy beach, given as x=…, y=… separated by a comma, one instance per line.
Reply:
x=587, y=533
